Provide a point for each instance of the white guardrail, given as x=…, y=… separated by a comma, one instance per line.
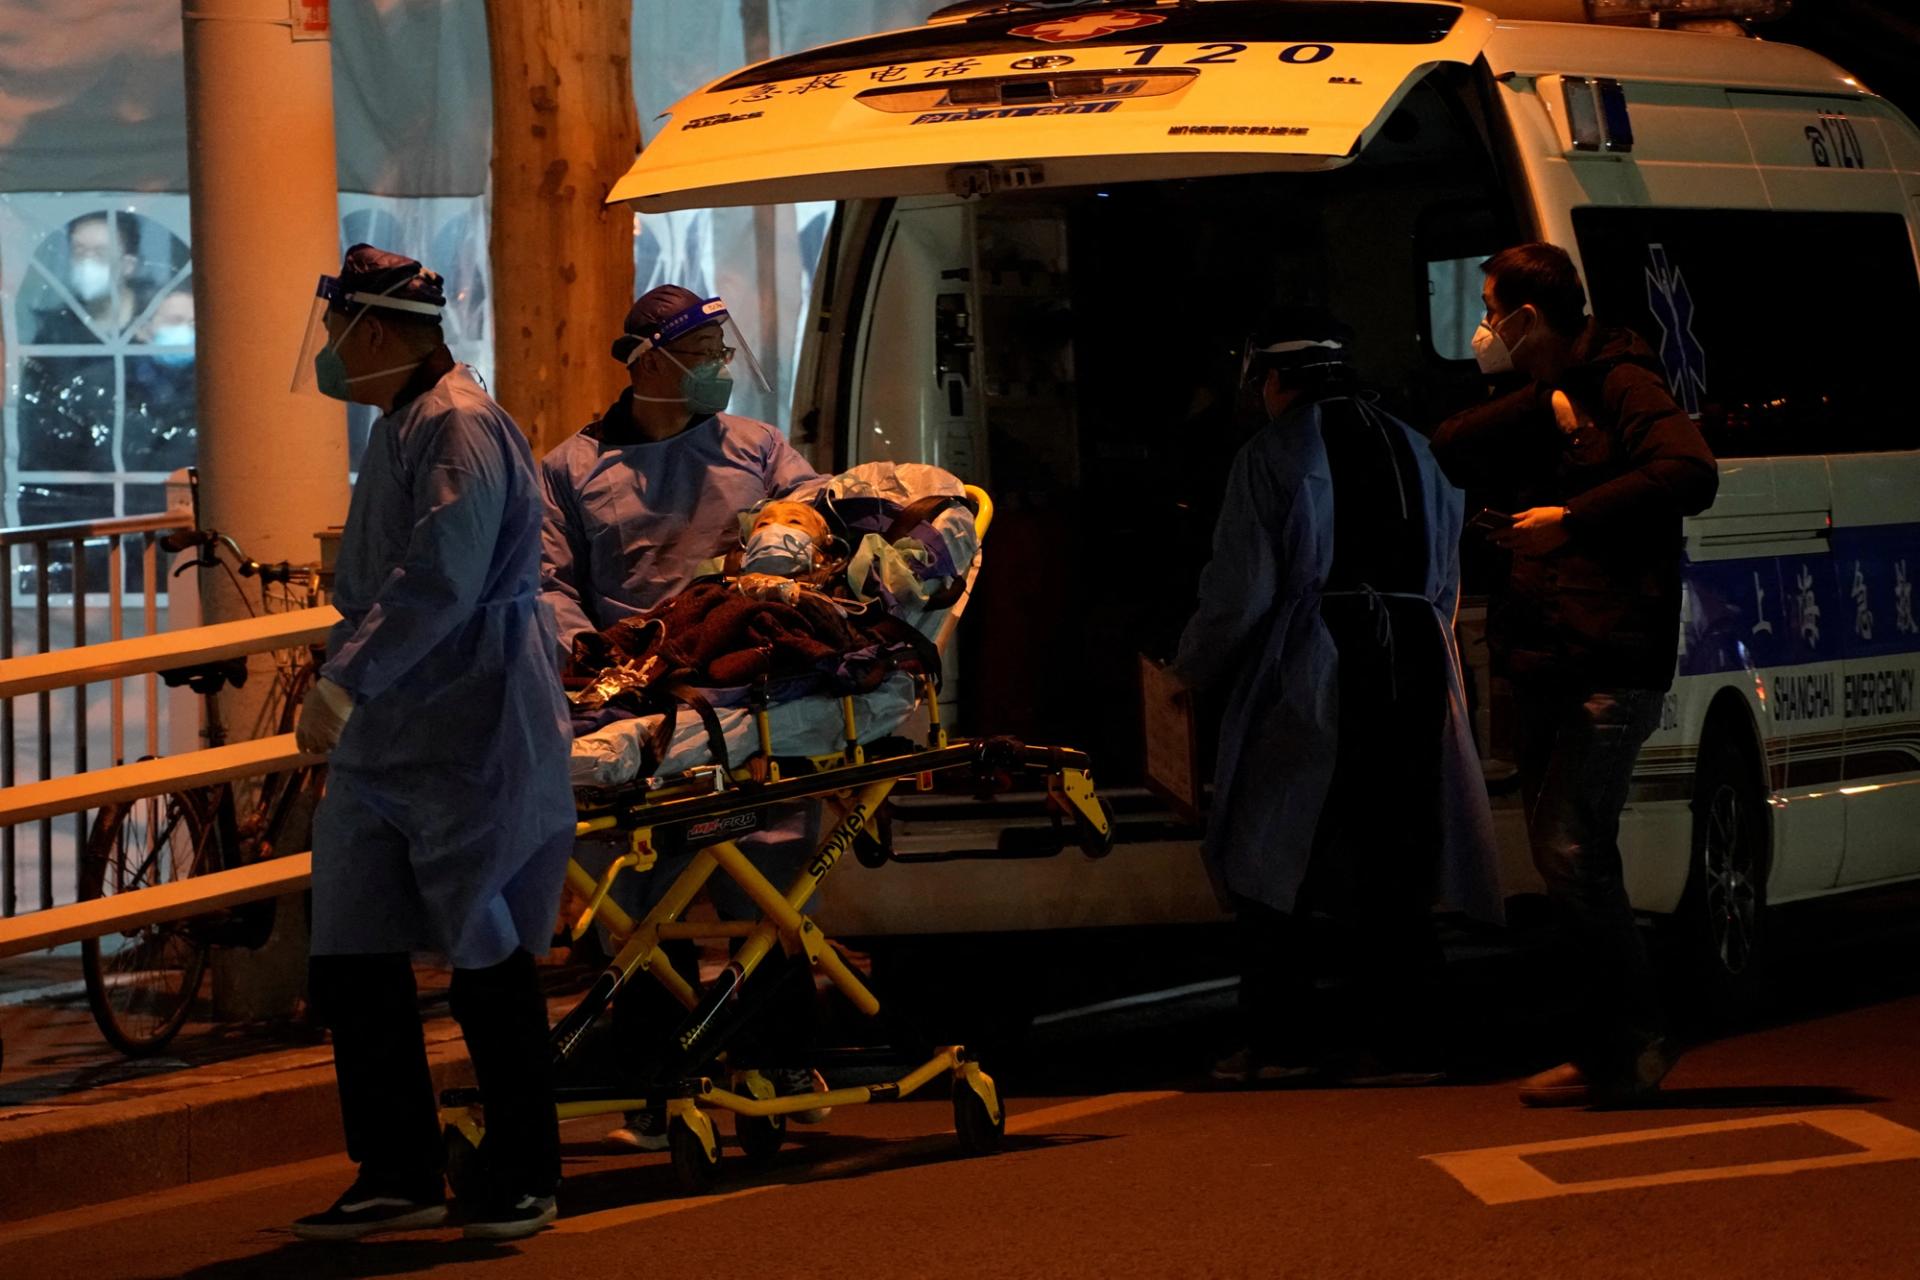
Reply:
x=76, y=793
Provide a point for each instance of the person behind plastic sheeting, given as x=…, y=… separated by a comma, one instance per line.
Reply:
x=639, y=504
x=1347, y=781
x=159, y=409
x=1600, y=465
x=448, y=816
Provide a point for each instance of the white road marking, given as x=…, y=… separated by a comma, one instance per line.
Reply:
x=1501, y=1175
x=119, y=1211
x=629, y=1214
x=1047, y=1117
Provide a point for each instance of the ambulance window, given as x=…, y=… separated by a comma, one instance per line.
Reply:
x=1781, y=333
x=1454, y=305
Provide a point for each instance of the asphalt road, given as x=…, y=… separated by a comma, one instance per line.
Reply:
x=1788, y=1149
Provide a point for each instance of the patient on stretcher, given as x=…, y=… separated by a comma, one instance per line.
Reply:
x=835, y=592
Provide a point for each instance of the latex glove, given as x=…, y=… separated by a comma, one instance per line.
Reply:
x=322, y=716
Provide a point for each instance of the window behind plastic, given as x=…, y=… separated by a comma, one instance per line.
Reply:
x=1784, y=333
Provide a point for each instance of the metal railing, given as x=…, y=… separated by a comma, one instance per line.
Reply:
x=119, y=536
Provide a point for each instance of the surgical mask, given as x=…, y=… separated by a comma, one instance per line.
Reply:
x=784, y=550
x=707, y=387
x=90, y=278
x=1490, y=350
x=330, y=371
x=173, y=335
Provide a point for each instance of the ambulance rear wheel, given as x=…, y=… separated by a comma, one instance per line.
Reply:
x=697, y=1169
x=1722, y=922
x=759, y=1136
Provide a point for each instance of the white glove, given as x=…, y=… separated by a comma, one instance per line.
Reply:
x=322, y=716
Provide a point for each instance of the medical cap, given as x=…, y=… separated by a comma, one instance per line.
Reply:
x=1297, y=338
x=654, y=308
x=367, y=270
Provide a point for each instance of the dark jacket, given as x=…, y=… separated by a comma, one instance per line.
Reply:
x=1604, y=609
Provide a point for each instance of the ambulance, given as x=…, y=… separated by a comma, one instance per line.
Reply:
x=1056, y=222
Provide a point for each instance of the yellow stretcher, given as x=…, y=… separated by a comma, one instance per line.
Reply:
x=701, y=811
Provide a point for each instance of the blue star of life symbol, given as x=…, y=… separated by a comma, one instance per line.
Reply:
x=1671, y=303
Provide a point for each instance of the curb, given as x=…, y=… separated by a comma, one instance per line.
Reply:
x=93, y=1154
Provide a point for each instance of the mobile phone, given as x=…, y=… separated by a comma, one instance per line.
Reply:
x=1487, y=520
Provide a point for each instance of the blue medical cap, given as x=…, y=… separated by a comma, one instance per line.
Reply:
x=376, y=273
x=651, y=311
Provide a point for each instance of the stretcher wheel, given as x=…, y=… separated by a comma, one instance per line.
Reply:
x=464, y=1175
x=759, y=1136
x=1092, y=842
x=979, y=1131
x=697, y=1170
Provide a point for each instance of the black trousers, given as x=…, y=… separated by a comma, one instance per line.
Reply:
x=387, y=1102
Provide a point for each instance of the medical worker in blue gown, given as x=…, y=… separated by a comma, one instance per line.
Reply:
x=639, y=504
x=1347, y=780
x=448, y=816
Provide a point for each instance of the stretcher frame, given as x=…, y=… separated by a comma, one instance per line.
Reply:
x=704, y=807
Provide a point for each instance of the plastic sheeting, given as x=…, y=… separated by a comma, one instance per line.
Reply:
x=93, y=118
x=92, y=97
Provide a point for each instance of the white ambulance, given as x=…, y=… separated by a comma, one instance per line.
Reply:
x=1056, y=221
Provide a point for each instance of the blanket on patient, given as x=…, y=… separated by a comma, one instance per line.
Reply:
x=854, y=610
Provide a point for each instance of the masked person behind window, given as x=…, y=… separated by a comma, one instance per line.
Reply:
x=67, y=401
x=448, y=815
x=103, y=273
x=160, y=414
x=1347, y=782
x=638, y=505
x=1600, y=465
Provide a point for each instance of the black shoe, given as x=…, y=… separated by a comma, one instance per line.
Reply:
x=367, y=1208
x=509, y=1218
x=1247, y=1067
x=643, y=1131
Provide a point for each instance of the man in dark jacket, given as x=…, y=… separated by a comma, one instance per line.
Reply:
x=1601, y=465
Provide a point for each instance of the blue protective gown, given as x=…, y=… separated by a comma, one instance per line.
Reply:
x=1259, y=632
x=630, y=522
x=448, y=816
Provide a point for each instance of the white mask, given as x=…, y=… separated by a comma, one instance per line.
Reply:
x=90, y=278
x=1490, y=350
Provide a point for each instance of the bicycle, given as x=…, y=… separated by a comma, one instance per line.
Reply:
x=142, y=988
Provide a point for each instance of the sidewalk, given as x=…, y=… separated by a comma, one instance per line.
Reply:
x=80, y=1124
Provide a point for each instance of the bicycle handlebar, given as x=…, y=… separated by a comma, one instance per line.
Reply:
x=208, y=542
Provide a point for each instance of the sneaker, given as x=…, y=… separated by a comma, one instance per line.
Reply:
x=1568, y=1085
x=1245, y=1067
x=643, y=1131
x=366, y=1209
x=509, y=1219
x=1563, y=1086
x=790, y=1082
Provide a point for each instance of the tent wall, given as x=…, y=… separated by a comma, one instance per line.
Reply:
x=93, y=120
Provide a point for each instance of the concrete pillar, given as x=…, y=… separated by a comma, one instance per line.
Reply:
x=273, y=465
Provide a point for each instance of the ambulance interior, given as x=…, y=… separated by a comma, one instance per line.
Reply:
x=1077, y=351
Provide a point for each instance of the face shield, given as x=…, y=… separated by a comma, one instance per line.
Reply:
x=331, y=297
x=707, y=348
x=1291, y=356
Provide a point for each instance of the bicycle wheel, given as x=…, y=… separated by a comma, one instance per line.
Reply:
x=142, y=981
